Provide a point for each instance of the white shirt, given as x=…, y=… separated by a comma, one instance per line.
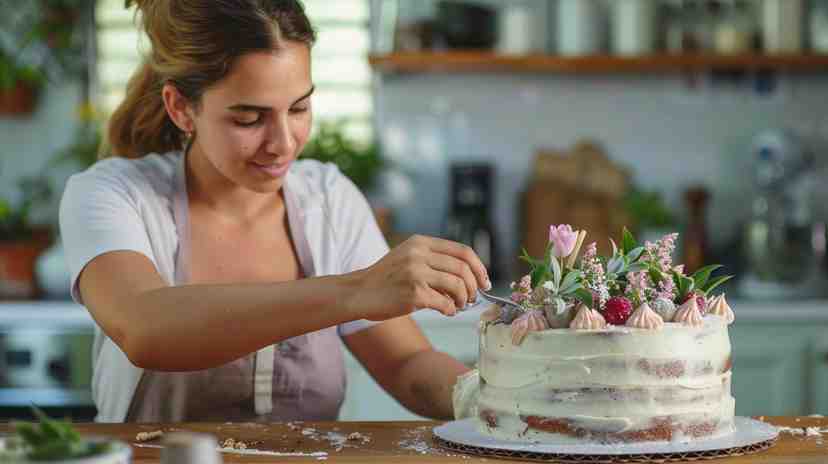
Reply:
x=141, y=205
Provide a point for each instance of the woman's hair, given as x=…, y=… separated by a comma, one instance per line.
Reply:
x=194, y=45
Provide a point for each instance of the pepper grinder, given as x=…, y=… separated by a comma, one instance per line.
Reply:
x=695, y=236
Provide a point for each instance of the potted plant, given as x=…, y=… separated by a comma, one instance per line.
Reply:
x=21, y=240
x=359, y=161
x=19, y=85
x=58, y=442
x=651, y=217
x=43, y=42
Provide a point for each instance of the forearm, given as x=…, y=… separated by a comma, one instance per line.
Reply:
x=426, y=382
x=201, y=326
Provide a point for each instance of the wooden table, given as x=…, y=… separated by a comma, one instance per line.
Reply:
x=404, y=442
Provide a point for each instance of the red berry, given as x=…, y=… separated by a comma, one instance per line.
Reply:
x=617, y=310
x=701, y=301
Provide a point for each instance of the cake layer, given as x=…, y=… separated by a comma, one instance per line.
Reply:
x=675, y=355
x=607, y=430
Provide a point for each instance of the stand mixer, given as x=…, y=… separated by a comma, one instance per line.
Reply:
x=784, y=245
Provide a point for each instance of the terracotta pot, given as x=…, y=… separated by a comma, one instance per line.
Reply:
x=17, y=268
x=18, y=100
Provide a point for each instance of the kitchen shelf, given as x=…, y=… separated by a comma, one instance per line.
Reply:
x=474, y=61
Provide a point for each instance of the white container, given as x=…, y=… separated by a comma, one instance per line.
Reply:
x=580, y=30
x=121, y=453
x=782, y=25
x=633, y=27
x=515, y=31
x=190, y=448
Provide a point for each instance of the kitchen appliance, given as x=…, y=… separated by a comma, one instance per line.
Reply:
x=46, y=359
x=470, y=220
x=466, y=25
x=784, y=243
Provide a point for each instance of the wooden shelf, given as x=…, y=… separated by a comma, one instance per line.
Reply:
x=472, y=61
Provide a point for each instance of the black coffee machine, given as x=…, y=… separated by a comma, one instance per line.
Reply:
x=470, y=220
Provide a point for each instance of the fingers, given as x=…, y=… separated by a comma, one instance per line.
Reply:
x=464, y=253
x=456, y=267
x=433, y=299
x=450, y=285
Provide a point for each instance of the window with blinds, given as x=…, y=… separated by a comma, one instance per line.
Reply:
x=340, y=68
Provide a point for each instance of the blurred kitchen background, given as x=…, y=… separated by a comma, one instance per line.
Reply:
x=481, y=121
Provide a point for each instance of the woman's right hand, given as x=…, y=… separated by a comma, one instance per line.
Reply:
x=422, y=272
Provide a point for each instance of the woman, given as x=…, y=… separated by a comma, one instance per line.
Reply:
x=222, y=274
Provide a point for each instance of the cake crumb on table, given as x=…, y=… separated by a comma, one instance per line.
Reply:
x=147, y=436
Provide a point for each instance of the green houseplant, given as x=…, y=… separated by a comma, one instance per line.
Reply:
x=19, y=85
x=22, y=240
x=43, y=42
x=359, y=161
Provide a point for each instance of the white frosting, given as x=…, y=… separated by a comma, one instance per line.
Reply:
x=604, y=382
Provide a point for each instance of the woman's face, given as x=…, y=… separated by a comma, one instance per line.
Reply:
x=254, y=123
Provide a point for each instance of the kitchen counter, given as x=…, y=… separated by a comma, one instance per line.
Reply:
x=403, y=442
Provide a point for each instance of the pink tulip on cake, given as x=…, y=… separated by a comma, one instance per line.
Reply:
x=564, y=239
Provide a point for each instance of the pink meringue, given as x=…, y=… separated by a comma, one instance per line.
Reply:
x=531, y=321
x=645, y=318
x=588, y=319
x=688, y=314
x=720, y=308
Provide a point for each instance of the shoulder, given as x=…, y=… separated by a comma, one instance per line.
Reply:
x=151, y=175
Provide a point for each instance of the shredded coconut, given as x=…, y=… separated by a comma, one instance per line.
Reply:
x=147, y=436
x=316, y=454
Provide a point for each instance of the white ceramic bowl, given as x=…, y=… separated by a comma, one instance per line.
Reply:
x=121, y=453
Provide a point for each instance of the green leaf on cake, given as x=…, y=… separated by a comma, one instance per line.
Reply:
x=655, y=274
x=701, y=276
x=570, y=282
x=628, y=242
x=634, y=254
x=584, y=296
x=637, y=267
x=715, y=283
x=615, y=265
x=555, y=267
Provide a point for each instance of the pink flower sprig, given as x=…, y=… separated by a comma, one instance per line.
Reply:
x=594, y=276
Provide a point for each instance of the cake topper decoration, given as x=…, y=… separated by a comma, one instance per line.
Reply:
x=563, y=286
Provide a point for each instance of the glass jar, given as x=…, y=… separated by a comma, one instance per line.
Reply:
x=819, y=26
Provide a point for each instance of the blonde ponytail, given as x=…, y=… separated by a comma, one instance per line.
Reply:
x=140, y=125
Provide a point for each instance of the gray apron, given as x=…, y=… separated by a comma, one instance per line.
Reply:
x=302, y=378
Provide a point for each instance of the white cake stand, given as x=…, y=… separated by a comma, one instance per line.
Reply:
x=751, y=436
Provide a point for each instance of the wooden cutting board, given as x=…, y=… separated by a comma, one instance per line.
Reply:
x=403, y=442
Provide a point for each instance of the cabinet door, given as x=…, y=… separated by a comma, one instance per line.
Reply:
x=818, y=367
x=768, y=373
